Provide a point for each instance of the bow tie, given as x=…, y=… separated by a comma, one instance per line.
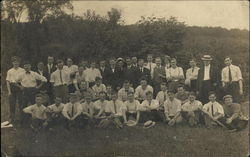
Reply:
x=27, y=72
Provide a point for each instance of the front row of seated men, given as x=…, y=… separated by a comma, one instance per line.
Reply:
x=104, y=113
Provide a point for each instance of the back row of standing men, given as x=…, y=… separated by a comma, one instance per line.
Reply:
x=58, y=80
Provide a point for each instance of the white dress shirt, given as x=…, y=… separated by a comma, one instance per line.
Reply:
x=131, y=107
x=235, y=73
x=206, y=73
x=56, y=109
x=123, y=94
x=141, y=93
x=174, y=72
x=55, y=78
x=191, y=106
x=213, y=108
x=71, y=110
x=171, y=108
x=115, y=107
x=191, y=74
x=154, y=104
x=162, y=97
x=72, y=69
x=36, y=111
x=91, y=74
x=98, y=105
x=150, y=66
x=30, y=79
x=13, y=73
x=98, y=89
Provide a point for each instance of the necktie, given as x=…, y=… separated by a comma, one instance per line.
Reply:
x=192, y=70
x=150, y=66
x=61, y=77
x=165, y=97
x=72, y=110
x=114, y=106
x=229, y=74
x=141, y=70
x=212, y=108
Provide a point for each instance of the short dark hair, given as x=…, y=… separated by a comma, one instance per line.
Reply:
x=59, y=61
x=39, y=95
x=192, y=93
x=211, y=93
x=130, y=92
x=170, y=91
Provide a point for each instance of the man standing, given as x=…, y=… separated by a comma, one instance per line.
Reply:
x=41, y=71
x=123, y=92
x=134, y=62
x=159, y=75
x=142, y=72
x=208, y=79
x=129, y=72
x=49, y=69
x=14, y=92
x=27, y=82
x=191, y=75
x=150, y=65
x=174, y=75
x=60, y=79
x=112, y=73
x=91, y=73
x=231, y=78
x=104, y=72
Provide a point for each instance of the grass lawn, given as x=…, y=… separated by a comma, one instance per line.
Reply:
x=159, y=141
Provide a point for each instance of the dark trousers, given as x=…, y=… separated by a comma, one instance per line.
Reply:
x=205, y=88
x=153, y=115
x=233, y=89
x=237, y=123
x=54, y=119
x=193, y=118
x=50, y=92
x=79, y=122
x=71, y=88
x=14, y=98
x=37, y=123
x=28, y=98
x=62, y=92
x=193, y=85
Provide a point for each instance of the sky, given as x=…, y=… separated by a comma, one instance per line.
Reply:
x=227, y=14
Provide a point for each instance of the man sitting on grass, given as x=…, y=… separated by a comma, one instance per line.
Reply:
x=172, y=108
x=72, y=113
x=123, y=92
x=149, y=109
x=88, y=110
x=37, y=111
x=114, y=109
x=100, y=109
x=181, y=94
x=234, y=119
x=98, y=87
x=212, y=111
x=191, y=110
x=130, y=110
x=142, y=89
x=54, y=113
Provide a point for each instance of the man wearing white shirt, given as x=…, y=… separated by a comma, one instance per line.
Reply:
x=191, y=75
x=72, y=113
x=72, y=70
x=141, y=90
x=150, y=65
x=213, y=110
x=49, y=69
x=27, y=82
x=174, y=75
x=172, y=108
x=190, y=111
x=149, y=109
x=14, y=92
x=231, y=78
x=60, y=80
x=91, y=73
x=123, y=92
x=208, y=79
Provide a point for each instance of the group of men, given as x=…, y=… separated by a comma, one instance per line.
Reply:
x=125, y=92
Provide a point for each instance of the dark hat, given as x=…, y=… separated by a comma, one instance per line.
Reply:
x=206, y=58
x=227, y=96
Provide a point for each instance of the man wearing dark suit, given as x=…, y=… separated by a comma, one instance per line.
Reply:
x=49, y=69
x=119, y=74
x=129, y=72
x=111, y=73
x=41, y=71
x=142, y=72
x=208, y=79
x=159, y=75
x=104, y=72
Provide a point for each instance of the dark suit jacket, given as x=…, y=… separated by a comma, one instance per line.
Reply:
x=111, y=77
x=139, y=74
x=157, y=71
x=129, y=74
x=119, y=76
x=214, y=76
x=105, y=75
x=46, y=70
x=45, y=74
